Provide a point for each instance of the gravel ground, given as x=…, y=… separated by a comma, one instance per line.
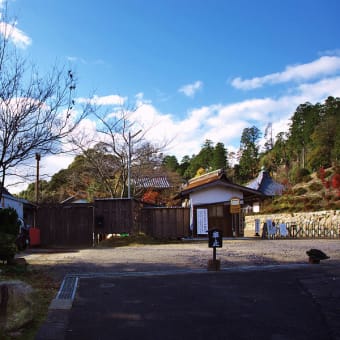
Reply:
x=237, y=252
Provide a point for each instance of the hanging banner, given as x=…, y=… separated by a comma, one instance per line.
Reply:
x=191, y=216
x=202, y=221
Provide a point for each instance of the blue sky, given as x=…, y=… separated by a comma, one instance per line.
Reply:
x=200, y=69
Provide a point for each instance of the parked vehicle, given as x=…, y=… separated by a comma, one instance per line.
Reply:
x=23, y=239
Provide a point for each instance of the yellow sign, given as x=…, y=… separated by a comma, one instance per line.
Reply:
x=235, y=206
x=235, y=209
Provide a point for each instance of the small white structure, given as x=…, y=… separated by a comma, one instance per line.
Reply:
x=10, y=201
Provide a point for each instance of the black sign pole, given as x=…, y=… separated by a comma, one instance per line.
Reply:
x=215, y=241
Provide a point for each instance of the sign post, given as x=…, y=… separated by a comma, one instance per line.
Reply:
x=235, y=208
x=215, y=241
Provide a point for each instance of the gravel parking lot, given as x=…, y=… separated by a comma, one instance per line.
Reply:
x=194, y=255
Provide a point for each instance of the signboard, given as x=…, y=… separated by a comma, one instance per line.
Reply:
x=235, y=201
x=215, y=238
x=235, y=209
x=256, y=207
x=202, y=221
x=235, y=206
x=257, y=227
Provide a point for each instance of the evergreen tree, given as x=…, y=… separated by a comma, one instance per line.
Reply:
x=219, y=157
x=324, y=143
x=205, y=156
x=171, y=163
x=249, y=161
x=183, y=166
x=278, y=155
x=304, y=121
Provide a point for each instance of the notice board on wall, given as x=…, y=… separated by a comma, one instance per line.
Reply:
x=202, y=221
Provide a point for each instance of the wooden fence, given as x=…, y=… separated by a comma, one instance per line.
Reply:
x=170, y=223
x=70, y=225
x=81, y=224
x=114, y=216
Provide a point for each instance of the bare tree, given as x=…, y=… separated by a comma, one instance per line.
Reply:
x=36, y=112
x=120, y=150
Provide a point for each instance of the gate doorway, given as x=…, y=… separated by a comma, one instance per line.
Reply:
x=219, y=216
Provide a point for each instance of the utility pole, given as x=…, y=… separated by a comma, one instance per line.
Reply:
x=37, y=157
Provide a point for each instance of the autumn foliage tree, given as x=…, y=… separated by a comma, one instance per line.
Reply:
x=336, y=183
x=151, y=197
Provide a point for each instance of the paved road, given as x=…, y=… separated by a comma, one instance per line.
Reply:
x=269, y=302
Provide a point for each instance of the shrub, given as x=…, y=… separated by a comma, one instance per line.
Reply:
x=316, y=200
x=315, y=186
x=9, y=223
x=307, y=179
x=300, y=191
x=297, y=175
x=336, y=181
x=328, y=173
x=9, y=230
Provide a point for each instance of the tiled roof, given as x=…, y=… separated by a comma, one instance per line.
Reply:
x=206, y=179
x=264, y=183
x=160, y=182
x=6, y=192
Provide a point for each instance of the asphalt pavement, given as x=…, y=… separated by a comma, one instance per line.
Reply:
x=274, y=302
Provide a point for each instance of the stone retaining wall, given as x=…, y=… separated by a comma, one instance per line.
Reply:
x=311, y=224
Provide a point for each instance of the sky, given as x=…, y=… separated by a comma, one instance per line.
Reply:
x=196, y=69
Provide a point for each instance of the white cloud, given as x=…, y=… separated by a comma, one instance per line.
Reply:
x=217, y=122
x=18, y=37
x=191, y=89
x=330, y=52
x=324, y=66
x=225, y=123
x=140, y=100
x=321, y=89
x=112, y=99
x=74, y=59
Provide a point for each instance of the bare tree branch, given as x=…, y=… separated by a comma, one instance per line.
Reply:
x=36, y=112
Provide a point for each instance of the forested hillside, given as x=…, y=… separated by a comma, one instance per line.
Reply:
x=312, y=143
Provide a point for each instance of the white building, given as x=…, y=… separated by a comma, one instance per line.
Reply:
x=10, y=201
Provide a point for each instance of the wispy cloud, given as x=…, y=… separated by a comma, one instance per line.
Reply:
x=335, y=51
x=17, y=36
x=74, y=59
x=10, y=31
x=223, y=122
x=324, y=66
x=112, y=99
x=190, y=89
